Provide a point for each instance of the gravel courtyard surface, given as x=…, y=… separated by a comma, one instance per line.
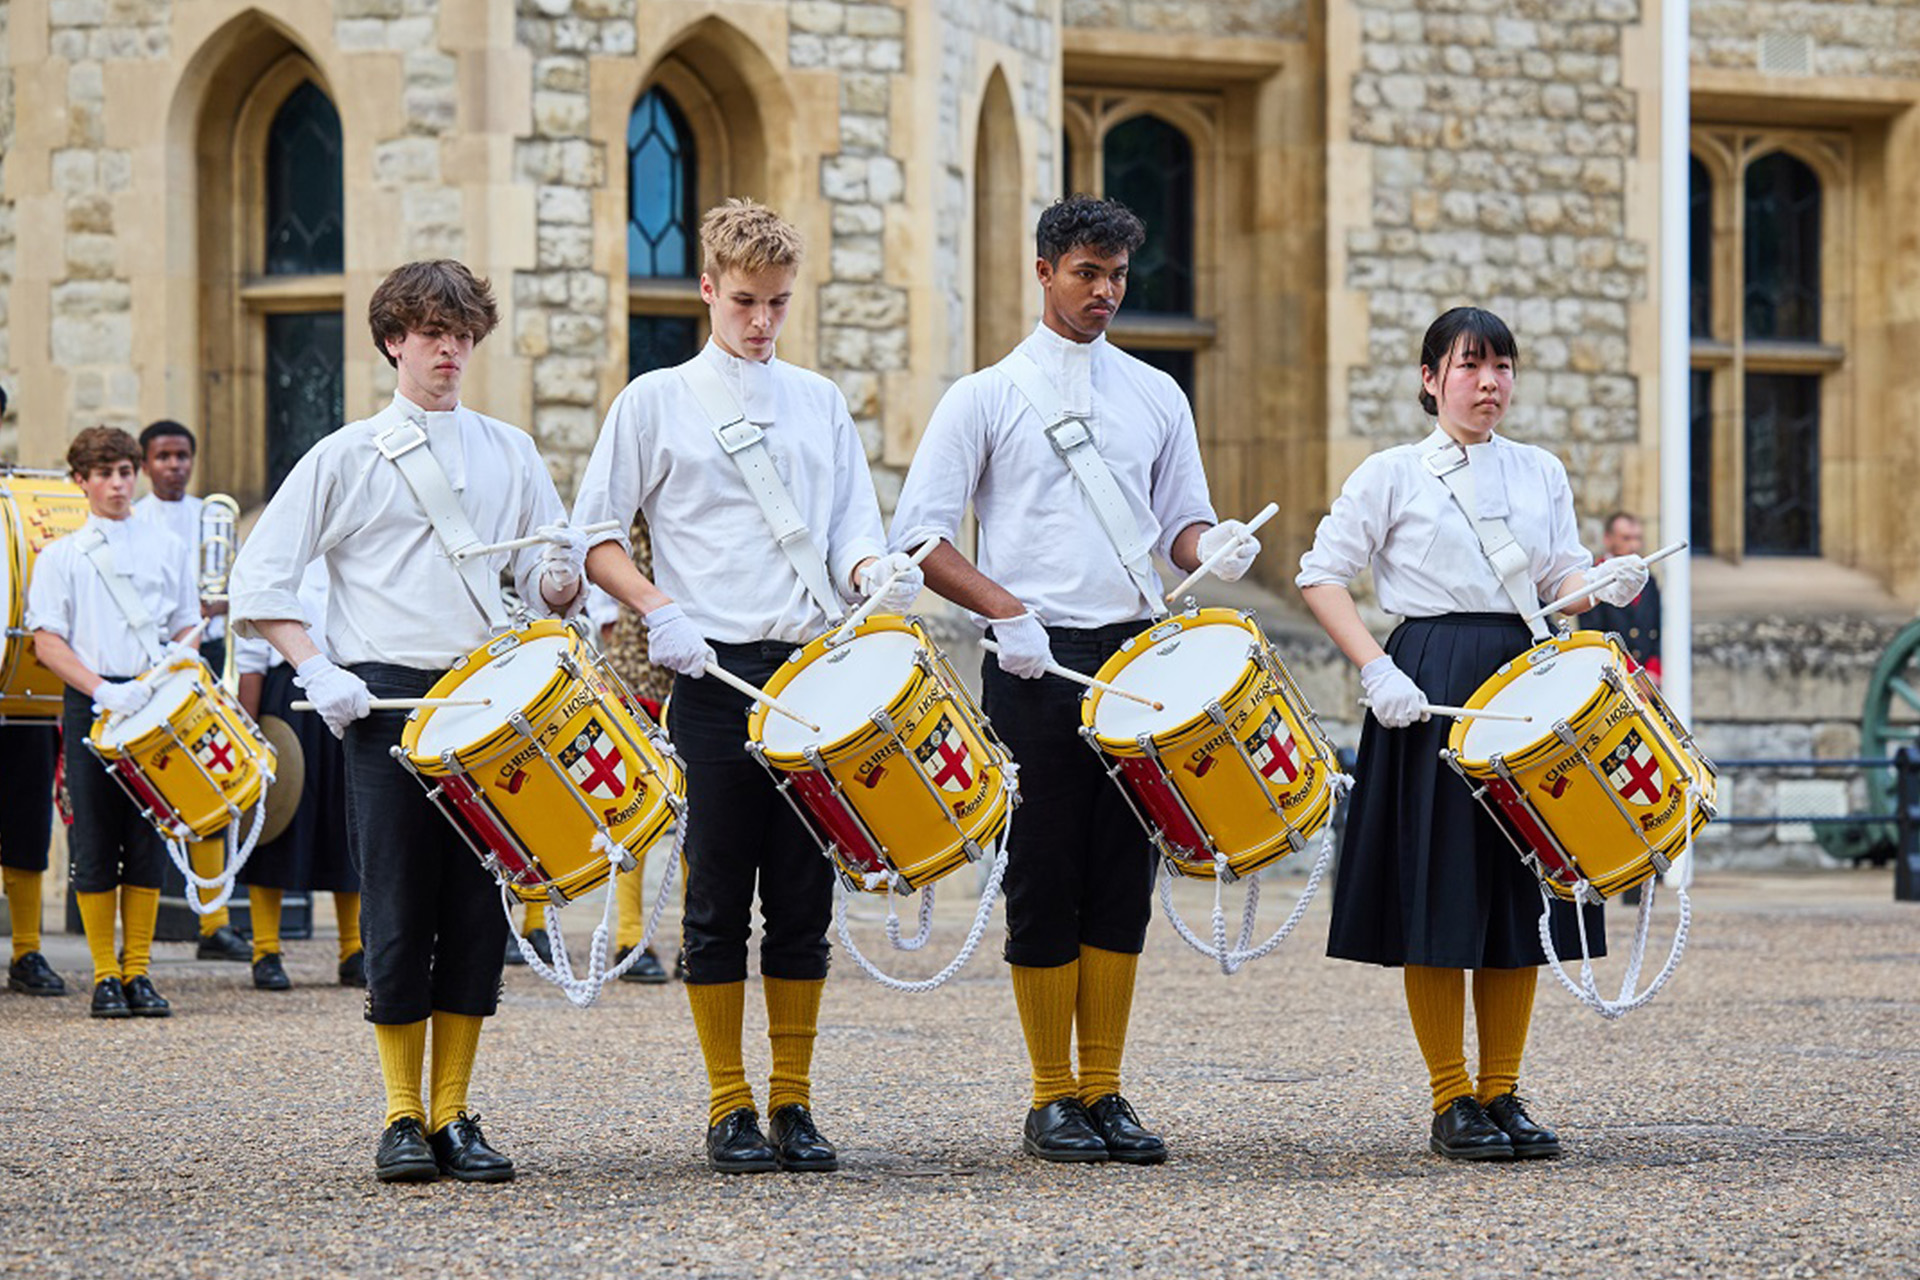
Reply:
x=1759, y=1118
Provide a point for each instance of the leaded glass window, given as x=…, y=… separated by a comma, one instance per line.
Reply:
x=305, y=218
x=1175, y=362
x=1148, y=166
x=306, y=385
x=660, y=342
x=1782, y=250
x=662, y=217
x=1700, y=249
x=1783, y=464
x=1700, y=410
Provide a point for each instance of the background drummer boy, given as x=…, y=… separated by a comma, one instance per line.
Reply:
x=1053, y=588
x=82, y=634
x=727, y=593
x=399, y=613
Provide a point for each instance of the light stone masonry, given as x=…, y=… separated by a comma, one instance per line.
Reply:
x=1266, y=19
x=1879, y=38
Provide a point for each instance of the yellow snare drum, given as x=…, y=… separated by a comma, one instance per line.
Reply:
x=904, y=781
x=35, y=508
x=1595, y=789
x=1235, y=766
x=192, y=758
x=555, y=759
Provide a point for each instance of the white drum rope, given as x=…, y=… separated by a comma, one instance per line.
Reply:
x=224, y=880
x=990, y=892
x=583, y=991
x=919, y=939
x=1586, y=991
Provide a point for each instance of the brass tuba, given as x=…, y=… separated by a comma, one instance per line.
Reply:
x=219, y=543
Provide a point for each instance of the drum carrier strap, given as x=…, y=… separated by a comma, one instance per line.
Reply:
x=1072, y=439
x=1452, y=464
x=93, y=545
x=402, y=445
x=746, y=445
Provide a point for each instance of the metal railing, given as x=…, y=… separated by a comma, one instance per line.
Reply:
x=1878, y=837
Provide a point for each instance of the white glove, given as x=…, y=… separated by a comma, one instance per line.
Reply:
x=675, y=643
x=563, y=560
x=1396, y=700
x=1240, y=559
x=339, y=696
x=122, y=697
x=1025, y=650
x=178, y=651
x=1625, y=588
x=900, y=596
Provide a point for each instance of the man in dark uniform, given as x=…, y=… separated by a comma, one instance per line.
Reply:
x=1637, y=624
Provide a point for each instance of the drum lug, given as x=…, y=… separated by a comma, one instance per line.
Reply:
x=1563, y=731
x=451, y=763
x=814, y=758
x=972, y=849
x=1295, y=840
x=517, y=721
x=1148, y=747
x=1661, y=862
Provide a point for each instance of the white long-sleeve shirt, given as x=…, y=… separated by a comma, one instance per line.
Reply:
x=394, y=594
x=182, y=520
x=1039, y=538
x=713, y=552
x=1397, y=516
x=68, y=597
x=256, y=657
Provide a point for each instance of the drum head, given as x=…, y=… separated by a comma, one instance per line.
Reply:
x=509, y=681
x=289, y=777
x=170, y=691
x=841, y=688
x=1549, y=690
x=1187, y=671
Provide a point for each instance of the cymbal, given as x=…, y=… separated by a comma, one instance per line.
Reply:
x=290, y=775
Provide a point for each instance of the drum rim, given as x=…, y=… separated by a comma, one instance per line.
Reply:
x=857, y=741
x=477, y=753
x=1513, y=670
x=1125, y=655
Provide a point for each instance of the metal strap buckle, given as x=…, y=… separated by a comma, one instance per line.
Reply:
x=738, y=434
x=1068, y=434
x=392, y=443
x=1445, y=460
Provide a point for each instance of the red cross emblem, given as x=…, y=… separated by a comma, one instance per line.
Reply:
x=1273, y=749
x=593, y=761
x=214, y=751
x=945, y=752
x=1633, y=771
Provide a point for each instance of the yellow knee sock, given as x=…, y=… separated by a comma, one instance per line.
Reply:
x=346, y=911
x=536, y=917
x=630, y=920
x=23, y=905
x=402, y=1049
x=97, y=911
x=1102, y=1010
x=1502, y=1010
x=207, y=857
x=138, y=910
x=456, y=1036
x=1437, y=1003
x=718, y=1010
x=793, y=1019
x=1045, y=999
x=266, y=919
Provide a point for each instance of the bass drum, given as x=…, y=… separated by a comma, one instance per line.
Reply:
x=35, y=508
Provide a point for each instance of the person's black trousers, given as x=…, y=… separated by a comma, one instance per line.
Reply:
x=109, y=844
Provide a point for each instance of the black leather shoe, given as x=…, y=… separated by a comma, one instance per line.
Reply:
x=144, y=1001
x=736, y=1145
x=1530, y=1141
x=647, y=968
x=225, y=943
x=797, y=1145
x=269, y=974
x=1462, y=1131
x=1063, y=1131
x=462, y=1153
x=109, y=1000
x=404, y=1155
x=537, y=939
x=1127, y=1141
x=353, y=970
x=32, y=975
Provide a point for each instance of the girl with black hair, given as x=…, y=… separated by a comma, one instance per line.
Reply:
x=1427, y=882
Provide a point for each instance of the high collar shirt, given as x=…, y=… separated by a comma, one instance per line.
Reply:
x=1395, y=515
x=1039, y=538
x=68, y=597
x=713, y=552
x=182, y=520
x=394, y=595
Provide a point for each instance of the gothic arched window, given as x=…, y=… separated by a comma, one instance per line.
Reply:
x=663, y=241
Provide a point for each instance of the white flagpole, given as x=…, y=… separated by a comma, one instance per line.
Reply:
x=1676, y=463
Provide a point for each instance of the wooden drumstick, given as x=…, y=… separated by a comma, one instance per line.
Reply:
x=758, y=694
x=1602, y=581
x=605, y=526
x=1206, y=566
x=1068, y=673
x=1464, y=713
x=872, y=602
x=408, y=704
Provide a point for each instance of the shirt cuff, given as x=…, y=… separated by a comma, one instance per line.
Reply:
x=263, y=606
x=911, y=540
x=850, y=555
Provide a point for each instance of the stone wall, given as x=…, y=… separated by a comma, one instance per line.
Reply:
x=1878, y=38
x=1499, y=144
x=1264, y=19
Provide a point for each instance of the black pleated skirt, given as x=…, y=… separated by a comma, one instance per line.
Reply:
x=312, y=852
x=1426, y=877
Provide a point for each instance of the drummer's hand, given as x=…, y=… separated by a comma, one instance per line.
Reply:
x=1240, y=559
x=899, y=597
x=178, y=651
x=563, y=561
x=1025, y=650
x=1626, y=587
x=1396, y=700
x=339, y=696
x=122, y=697
x=675, y=643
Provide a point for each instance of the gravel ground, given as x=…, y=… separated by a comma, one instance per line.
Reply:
x=1758, y=1119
